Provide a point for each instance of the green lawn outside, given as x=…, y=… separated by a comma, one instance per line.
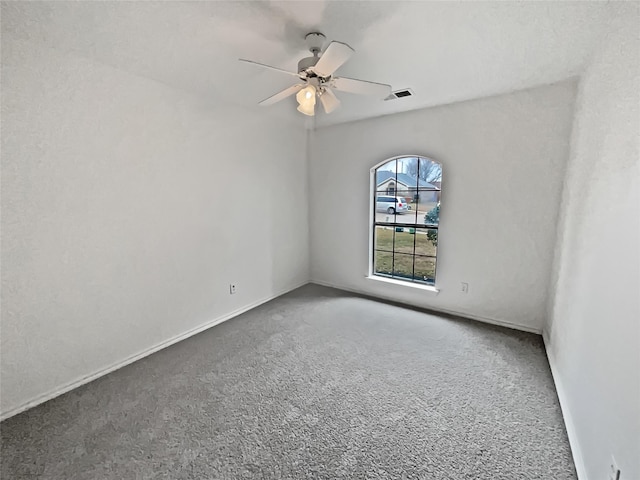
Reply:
x=404, y=241
x=398, y=259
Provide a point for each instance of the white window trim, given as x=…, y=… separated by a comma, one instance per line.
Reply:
x=403, y=283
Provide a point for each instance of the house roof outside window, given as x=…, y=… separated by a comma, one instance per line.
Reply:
x=408, y=181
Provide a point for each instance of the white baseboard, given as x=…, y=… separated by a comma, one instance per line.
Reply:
x=133, y=358
x=566, y=413
x=492, y=321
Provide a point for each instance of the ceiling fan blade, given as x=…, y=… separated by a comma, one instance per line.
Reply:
x=329, y=101
x=269, y=67
x=361, y=87
x=333, y=58
x=287, y=92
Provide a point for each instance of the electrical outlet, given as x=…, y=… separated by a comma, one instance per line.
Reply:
x=232, y=288
x=614, y=471
x=464, y=287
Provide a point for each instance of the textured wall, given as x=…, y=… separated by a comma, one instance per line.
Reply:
x=122, y=220
x=595, y=330
x=503, y=163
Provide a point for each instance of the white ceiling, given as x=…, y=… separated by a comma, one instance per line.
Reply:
x=444, y=51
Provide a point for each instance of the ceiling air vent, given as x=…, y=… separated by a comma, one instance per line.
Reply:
x=407, y=92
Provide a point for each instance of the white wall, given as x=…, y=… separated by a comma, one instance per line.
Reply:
x=503, y=162
x=127, y=209
x=594, y=335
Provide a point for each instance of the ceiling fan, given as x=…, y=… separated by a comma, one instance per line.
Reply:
x=316, y=73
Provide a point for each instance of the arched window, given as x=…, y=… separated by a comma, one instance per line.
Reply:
x=406, y=218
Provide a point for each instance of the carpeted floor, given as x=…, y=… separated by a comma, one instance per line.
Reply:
x=316, y=384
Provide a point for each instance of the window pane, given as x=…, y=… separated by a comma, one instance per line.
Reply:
x=404, y=240
x=430, y=172
x=384, y=239
x=427, y=207
x=425, y=269
x=402, y=209
x=426, y=241
x=383, y=262
x=408, y=166
x=386, y=181
x=403, y=266
x=386, y=206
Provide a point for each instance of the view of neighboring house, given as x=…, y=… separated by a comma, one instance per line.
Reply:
x=438, y=186
x=408, y=186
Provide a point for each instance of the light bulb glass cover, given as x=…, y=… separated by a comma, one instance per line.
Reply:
x=306, y=98
x=307, y=95
x=307, y=108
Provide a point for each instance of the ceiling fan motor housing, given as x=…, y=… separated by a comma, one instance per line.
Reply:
x=306, y=63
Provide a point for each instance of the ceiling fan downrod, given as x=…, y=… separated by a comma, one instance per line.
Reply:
x=314, y=40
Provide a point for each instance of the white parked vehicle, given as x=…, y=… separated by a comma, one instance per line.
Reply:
x=391, y=205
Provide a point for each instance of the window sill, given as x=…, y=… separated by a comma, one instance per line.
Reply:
x=427, y=288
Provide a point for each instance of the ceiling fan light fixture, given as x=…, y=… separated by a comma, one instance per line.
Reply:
x=306, y=98
x=307, y=109
x=306, y=95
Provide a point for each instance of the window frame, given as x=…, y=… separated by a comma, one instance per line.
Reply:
x=371, y=274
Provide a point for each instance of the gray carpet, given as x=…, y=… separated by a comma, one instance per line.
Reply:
x=315, y=384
